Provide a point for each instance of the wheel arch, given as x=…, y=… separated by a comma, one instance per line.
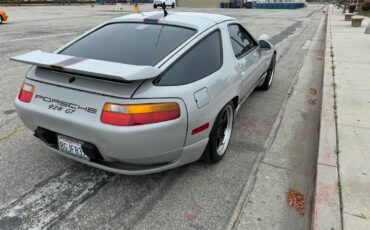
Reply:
x=235, y=101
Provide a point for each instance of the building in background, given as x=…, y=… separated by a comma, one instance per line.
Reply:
x=266, y=4
x=280, y=4
x=198, y=3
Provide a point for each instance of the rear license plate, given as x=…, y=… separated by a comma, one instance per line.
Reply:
x=71, y=146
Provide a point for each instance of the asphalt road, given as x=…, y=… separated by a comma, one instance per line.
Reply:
x=39, y=189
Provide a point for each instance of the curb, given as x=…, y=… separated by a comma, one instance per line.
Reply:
x=327, y=208
x=249, y=186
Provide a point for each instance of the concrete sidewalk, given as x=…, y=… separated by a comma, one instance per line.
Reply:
x=346, y=97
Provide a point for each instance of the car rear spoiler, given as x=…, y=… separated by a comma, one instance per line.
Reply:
x=90, y=67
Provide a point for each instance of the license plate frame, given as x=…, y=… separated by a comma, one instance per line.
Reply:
x=71, y=146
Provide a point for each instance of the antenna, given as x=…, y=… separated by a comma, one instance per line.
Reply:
x=163, y=5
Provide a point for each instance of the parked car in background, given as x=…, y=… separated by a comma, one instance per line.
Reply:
x=3, y=16
x=234, y=4
x=170, y=3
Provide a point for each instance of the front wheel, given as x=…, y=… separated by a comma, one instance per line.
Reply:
x=220, y=135
x=155, y=6
x=173, y=5
x=1, y=20
x=270, y=75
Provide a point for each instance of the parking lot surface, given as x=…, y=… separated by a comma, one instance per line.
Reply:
x=39, y=189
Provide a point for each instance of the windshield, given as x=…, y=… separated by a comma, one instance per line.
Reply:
x=130, y=43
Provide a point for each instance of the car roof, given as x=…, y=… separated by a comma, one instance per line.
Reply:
x=199, y=21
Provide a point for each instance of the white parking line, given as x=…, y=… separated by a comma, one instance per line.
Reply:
x=306, y=45
x=11, y=32
x=58, y=196
x=38, y=37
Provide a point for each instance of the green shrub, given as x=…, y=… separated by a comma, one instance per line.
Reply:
x=366, y=6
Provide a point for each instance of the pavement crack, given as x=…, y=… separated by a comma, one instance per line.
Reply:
x=362, y=216
x=327, y=165
x=280, y=167
x=353, y=126
x=335, y=107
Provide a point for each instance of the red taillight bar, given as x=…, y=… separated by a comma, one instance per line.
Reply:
x=26, y=92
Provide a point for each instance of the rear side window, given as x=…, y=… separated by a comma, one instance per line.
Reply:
x=202, y=60
x=240, y=40
x=130, y=43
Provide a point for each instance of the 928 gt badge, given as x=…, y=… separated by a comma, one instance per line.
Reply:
x=65, y=106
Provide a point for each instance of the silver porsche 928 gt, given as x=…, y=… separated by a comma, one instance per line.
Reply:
x=145, y=93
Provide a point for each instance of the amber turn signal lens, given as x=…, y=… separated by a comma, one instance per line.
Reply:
x=139, y=114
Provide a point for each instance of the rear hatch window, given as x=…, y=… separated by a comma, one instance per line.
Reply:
x=130, y=43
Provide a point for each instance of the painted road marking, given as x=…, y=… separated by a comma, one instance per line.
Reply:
x=38, y=37
x=306, y=45
x=50, y=201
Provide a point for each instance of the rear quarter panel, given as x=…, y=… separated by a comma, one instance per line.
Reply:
x=222, y=87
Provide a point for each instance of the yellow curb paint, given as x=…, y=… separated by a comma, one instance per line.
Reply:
x=8, y=133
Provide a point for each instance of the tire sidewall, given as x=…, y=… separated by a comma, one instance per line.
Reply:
x=266, y=83
x=212, y=143
x=272, y=73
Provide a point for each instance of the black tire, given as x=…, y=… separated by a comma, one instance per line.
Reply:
x=213, y=153
x=173, y=5
x=155, y=6
x=270, y=75
x=1, y=20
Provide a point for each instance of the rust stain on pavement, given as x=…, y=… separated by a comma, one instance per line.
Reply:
x=8, y=133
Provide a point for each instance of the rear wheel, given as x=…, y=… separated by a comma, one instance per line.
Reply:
x=220, y=135
x=155, y=6
x=270, y=75
x=173, y=5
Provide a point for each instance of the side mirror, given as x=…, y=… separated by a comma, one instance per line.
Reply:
x=264, y=45
x=263, y=42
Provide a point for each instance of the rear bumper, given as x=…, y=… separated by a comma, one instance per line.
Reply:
x=188, y=154
x=128, y=150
